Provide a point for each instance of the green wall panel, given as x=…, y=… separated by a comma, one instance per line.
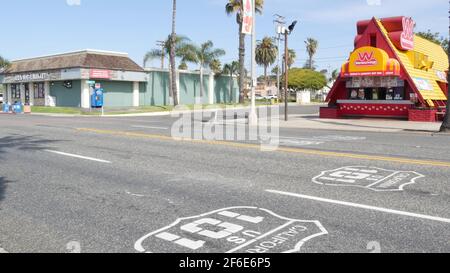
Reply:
x=66, y=97
x=117, y=94
x=156, y=91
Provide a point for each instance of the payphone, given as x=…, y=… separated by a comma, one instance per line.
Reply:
x=97, y=98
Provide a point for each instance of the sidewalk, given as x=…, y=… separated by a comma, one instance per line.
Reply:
x=358, y=124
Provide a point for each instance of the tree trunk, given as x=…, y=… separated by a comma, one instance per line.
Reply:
x=231, y=87
x=241, y=63
x=174, y=91
x=265, y=75
x=201, y=83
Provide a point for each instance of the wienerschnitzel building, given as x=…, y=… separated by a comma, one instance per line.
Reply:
x=391, y=73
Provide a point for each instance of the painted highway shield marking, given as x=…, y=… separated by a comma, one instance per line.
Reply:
x=232, y=230
x=372, y=178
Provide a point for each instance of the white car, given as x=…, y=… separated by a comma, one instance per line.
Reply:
x=271, y=97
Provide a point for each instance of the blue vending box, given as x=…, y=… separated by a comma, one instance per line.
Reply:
x=97, y=98
x=6, y=107
x=17, y=108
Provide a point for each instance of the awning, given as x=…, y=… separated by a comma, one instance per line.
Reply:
x=370, y=61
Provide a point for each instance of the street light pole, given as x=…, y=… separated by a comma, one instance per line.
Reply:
x=253, y=117
x=287, y=32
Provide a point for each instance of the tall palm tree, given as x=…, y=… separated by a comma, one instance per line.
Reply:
x=173, y=93
x=204, y=55
x=311, y=48
x=216, y=66
x=236, y=7
x=292, y=56
x=155, y=54
x=231, y=69
x=266, y=54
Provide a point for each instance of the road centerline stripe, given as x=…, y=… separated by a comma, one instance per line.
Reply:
x=361, y=206
x=280, y=149
x=78, y=156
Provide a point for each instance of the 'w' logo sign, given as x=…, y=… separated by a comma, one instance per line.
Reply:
x=366, y=58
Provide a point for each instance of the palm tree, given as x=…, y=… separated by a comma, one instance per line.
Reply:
x=292, y=56
x=236, y=7
x=216, y=66
x=231, y=69
x=266, y=54
x=311, y=48
x=204, y=55
x=173, y=92
x=155, y=54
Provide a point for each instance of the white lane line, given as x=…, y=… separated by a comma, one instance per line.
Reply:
x=361, y=206
x=150, y=127
x=79, y=156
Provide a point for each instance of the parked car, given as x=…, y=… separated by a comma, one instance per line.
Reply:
x=271, y=97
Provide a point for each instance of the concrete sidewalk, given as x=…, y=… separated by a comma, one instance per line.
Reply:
x=358, y=124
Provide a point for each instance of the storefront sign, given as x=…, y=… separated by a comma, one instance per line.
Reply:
x=441, y=75
x=400, y=31
x=370, y=61
x=32, y=77
x=423, y=84
x=100, y=74
x=247, y=25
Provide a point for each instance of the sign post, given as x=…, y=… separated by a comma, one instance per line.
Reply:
x=249, y=28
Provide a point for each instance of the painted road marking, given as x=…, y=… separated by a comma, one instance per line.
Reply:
x=2, y=251
x=361, y=206
x=230, y=230
x=150, y=127
x=372, y=178
x=280, y=149
x=79, y=156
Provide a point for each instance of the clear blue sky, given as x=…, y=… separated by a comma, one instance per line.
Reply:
x=33, y=28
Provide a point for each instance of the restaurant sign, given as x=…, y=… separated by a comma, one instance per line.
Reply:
x=370, y=61
x=400, y=31
x=247, y=24
x=100, y=74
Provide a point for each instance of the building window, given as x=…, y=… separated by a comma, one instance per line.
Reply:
x=15, y=91
x=39, y=90
x=373, y=40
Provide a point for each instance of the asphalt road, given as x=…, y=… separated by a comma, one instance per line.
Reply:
x=125, y=185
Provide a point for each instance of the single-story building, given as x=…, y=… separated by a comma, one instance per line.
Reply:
x=66, y=80
x=391, y=73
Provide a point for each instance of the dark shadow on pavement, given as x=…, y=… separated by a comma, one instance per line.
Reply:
x=3, y=185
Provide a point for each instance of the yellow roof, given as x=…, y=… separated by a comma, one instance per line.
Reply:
x=435, y=54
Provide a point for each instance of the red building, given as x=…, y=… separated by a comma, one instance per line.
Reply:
x=391, y=73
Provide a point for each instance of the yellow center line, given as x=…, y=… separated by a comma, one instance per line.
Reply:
x=280, y=149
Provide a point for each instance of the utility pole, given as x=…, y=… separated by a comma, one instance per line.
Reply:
x=280, y=24
x=162, y=44
x=286, y=76
x=253, y=117
x=287, y=32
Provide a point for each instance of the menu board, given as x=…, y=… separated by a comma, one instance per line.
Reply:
x=365, y=82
